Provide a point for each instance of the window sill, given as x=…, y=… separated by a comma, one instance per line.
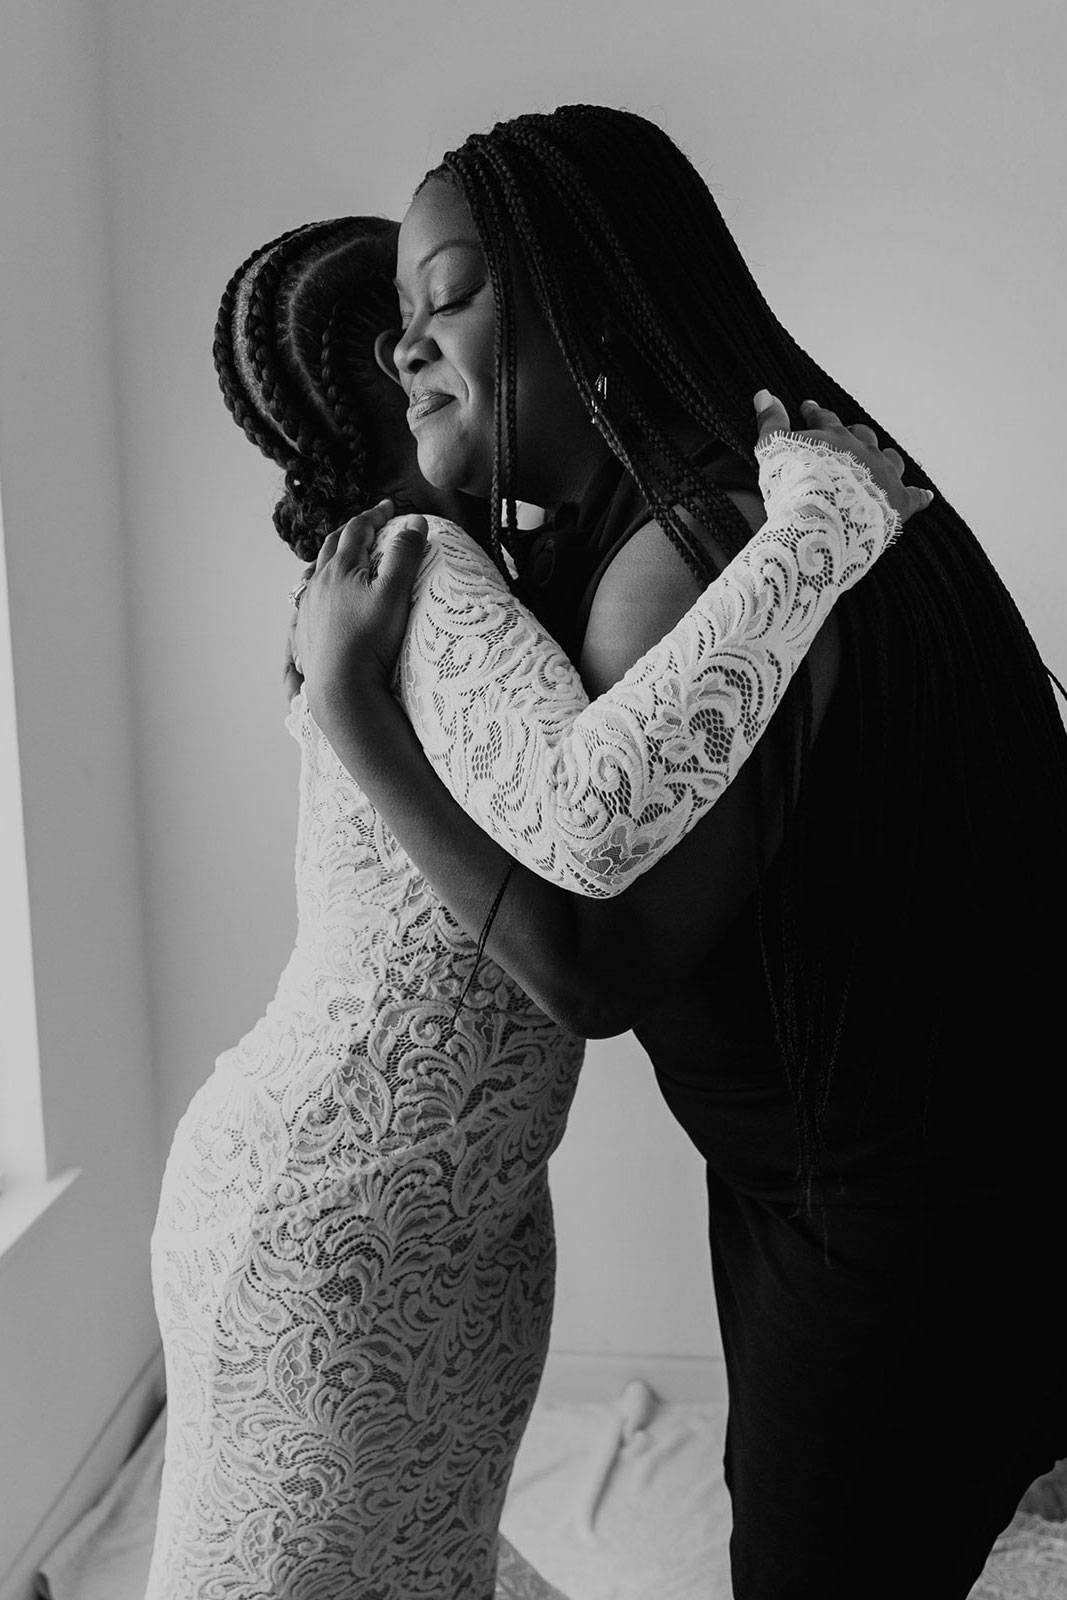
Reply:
x=25, y=1200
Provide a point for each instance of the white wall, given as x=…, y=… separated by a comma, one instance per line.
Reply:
x=76, y=1323
x=894, y=175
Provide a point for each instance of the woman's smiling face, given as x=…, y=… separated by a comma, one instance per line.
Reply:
x=445, y=355
x=446, y=363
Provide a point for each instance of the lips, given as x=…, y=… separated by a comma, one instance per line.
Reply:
x=423, y=402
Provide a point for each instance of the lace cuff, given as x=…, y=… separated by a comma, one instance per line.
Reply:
x=590, y=795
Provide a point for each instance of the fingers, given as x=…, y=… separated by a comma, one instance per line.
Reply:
x=816, y=416
x=293, y=679
x=868, y=435
x=771, y=415
x=402, y=553
x=885, y=465
x=354, y=535
x=326, y=549
x=351, y=548
x=292, y=676
x=356, y=538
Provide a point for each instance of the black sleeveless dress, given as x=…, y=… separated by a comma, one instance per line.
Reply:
x=895, y=1382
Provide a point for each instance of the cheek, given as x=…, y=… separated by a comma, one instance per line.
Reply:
x=472, y=427
x=469, y=347
x=457, y=452
x=480, y=374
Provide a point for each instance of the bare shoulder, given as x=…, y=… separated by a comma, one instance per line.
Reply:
x=649, y=587
x=641, y=596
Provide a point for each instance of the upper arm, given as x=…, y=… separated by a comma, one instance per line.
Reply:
x=639, y=599
x=484, y=686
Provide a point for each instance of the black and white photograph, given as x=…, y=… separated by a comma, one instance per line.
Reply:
x=533, y=800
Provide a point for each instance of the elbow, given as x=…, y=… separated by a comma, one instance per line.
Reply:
x=607, y=1025
x=587, y=974
x=591, y=1009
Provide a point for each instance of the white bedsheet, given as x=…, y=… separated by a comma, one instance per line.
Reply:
x=606, y=1517
x=609, y=1502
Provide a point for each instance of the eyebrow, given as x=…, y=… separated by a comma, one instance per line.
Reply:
x=446, y=244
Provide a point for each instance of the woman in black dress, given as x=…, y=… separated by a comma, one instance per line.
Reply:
x=845, y=977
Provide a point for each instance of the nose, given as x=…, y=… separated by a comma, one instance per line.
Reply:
x=413, y=351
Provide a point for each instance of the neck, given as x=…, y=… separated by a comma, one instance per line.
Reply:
x=411, y=492
x=573, y=475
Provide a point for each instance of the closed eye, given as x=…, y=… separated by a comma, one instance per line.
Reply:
x=457, y=304
x=448, y=307
x=440, y=311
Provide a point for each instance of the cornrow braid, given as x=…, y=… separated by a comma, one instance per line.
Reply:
x=243, y=389
x=638, y=276
x=293, y=353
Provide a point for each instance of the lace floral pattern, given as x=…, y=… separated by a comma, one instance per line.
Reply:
x=353, y=1258
x=590, y=796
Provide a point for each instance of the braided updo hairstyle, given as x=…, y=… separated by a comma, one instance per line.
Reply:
x=294, y=355
x=946, y=815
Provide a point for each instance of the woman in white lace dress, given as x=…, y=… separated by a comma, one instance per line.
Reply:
x=843, y=975
x=353, y=1256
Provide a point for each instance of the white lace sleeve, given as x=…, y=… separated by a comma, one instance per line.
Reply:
x=589, y=795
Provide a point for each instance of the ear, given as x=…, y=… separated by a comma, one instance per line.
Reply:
x=384, y=345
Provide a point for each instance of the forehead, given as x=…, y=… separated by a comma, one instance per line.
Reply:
x=436, y=220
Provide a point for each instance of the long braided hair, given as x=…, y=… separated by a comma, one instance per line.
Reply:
x=293, y=351
x=952, y=790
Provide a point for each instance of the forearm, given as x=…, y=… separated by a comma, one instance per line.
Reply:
x=592, y=796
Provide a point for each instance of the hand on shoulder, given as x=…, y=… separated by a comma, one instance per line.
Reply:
x=353, y=610
x=886, y=467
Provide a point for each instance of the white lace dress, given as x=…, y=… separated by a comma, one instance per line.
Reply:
x=353, y=1256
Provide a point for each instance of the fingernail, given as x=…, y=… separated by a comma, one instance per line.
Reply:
x=806, y=405
x=762, y=399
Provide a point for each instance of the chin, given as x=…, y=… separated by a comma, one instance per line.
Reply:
x=445, y=470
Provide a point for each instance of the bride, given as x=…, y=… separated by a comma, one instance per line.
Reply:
x=353, y=1258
